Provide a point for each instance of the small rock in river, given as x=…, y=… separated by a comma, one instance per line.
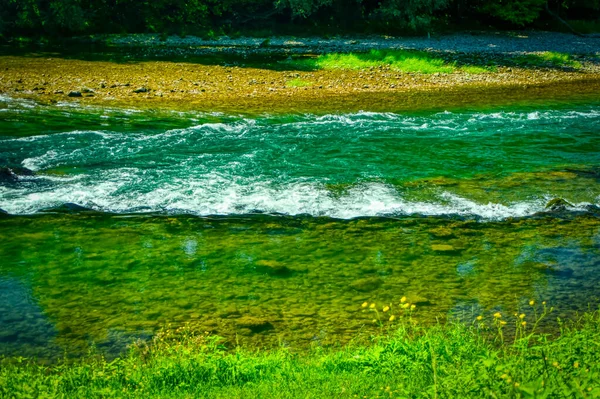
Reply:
x=366, y=284
x=12, y=174
x=74, y=94
x=557, y=204
x=255, y=324
x=272, y=268
x=442, y=248
x=141, y=90
x=418, y=300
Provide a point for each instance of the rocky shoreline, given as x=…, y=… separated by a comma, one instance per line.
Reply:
x=517, y=42
x=150, y=82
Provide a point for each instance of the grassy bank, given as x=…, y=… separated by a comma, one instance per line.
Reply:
x=486, y=359
x=395, y=60
x=410, y=61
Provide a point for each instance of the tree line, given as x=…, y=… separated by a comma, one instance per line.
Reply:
x=76, y=17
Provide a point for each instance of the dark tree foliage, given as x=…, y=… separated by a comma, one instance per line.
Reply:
x=519, y=12
x=76, y=17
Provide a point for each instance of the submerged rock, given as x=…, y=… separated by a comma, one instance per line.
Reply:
x=418, y=300
x=141, y=90
x=593, y=209
x=557, y=204
x=367, y=284
x=74, y=94
x=229, y=313
x=442, y=232
x=273, y=268
x=254, y=324
x=12, y=174
x=6, y=174
x=68, y=208
x=593, y=173
x=443, y=248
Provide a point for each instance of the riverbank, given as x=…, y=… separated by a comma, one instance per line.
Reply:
x=248, y=76
x=451, y=360
x=506, y=42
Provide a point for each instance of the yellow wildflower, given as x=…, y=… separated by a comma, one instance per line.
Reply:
x=386, y=308
x=479, y=318
x=531, y=303
x=502, y=323
x=497, y=315
x=365, y=304
x=392, y=318
x=372, y=306
x=523, y=323
x=517, y=384
x=412, y=307
x=522, y=316
x=403, y=299
x=576, y=364
x=405, y=306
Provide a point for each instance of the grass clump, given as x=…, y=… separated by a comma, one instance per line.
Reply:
x=552, y=59
x=407, y=360
x=297, y=82
x=397, y=60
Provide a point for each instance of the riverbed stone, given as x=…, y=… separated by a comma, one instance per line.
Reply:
x=366, y=284
x=230, y=312
x=272, y=267
x=418, y=300
x=255, y=324
x=442, y=232
x=443, y=248
x=557, y=204
x=74, y=94
x=12, y=174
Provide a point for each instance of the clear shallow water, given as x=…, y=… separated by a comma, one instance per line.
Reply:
x=291, y=220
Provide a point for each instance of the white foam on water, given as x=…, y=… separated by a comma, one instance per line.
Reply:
x=218, y=195
x=214, y=188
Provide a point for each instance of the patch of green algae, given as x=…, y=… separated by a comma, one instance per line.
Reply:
x=105, y=280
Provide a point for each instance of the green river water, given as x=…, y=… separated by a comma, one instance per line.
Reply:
x=274, y=229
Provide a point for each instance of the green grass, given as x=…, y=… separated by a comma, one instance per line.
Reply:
x=551, y=59
x=408, y=361
x=396, y=60
x=297, y=83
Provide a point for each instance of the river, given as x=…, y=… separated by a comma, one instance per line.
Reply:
x=273, y=229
